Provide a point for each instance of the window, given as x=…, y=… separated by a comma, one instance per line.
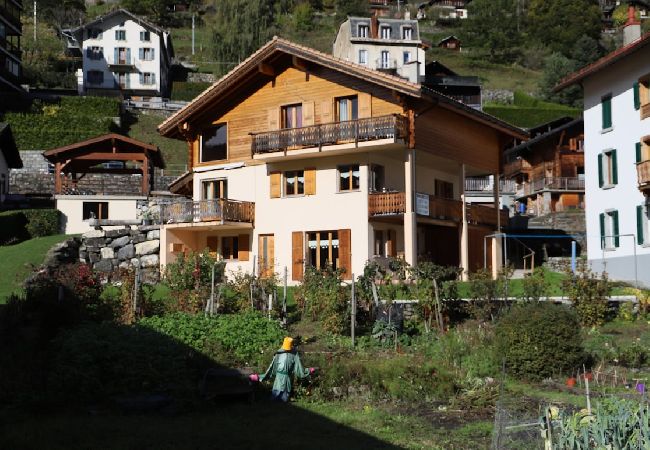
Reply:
x=363, y=31
x=147, y=78
x=123, y=80
x=606, y=106
x=145, y=36
x=407, y=33
x=95, y=77
x=380, y=243
x=348, y=177
x=384, y=62
x=642, y=224
x=121, y=55
x=212, y=189
x=95, y=33
x=294, y=182
x=229, y=247
x=120, y=35
x=94, y=52
x=146, y=54
x=609, y=235
x=407, y=57
x=376, y=178
x=385, y=32
x=607, y=169
x=444, y=189
x=347, y=108
x=214, y=143
x=292, y=116
x=323, y=249
x=363, y=57
x=95, y=210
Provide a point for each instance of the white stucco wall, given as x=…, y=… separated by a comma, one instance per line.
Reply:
x=71, y=207
x=627, y=129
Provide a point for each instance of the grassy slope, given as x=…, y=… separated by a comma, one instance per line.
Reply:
x=16, y=262
x=144, y=129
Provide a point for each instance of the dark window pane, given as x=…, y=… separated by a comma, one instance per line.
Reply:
x=215, y=143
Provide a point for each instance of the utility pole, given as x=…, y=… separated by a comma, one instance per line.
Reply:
x=34, y=20
x=193, y=15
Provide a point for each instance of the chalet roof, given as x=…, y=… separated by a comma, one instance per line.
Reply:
x=123, y=12
x=8, y=147
x=448, y=38
x=108, y=143
x=574, y=125
x=603, y=62
x=183, y=184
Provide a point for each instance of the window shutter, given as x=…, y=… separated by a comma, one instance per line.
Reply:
x=600, y=170
x=617, y=240
x=297, y=255
x=117, y=35
x=637, y=97
x=128, y=56
x=310, y=181
x=153, y=78
x=141, y=78
x=638, y=152
x=614, y=168
x=141, y=53
x=607, y=112
x=602, y=230
x=153, y=54
x=639, y=225
x=392, y=243
x=243, y=248
x=116, y=56
x=272, y=118
x=345, y=253
x=365, y=105
x=276, y=184
x=307, y=114
x=326, y=112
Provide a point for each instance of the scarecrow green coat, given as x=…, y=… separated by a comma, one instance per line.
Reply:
x=285, y=365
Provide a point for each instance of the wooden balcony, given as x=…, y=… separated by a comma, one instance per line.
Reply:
x=645, y=111
x=486, y=215
x=386, y=203
x=643, y=176
x=516, y=167
x=555, y=184
x=354, y=132
x=219, y=210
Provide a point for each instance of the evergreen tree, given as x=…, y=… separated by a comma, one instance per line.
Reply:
x=557, y=67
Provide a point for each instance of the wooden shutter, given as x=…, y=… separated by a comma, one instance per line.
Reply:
x=297, y=255
x=637, y=96
x=326, y=112
x=243, y=247
x=365, y=105
x=606, y=107
x=276, y=184
x=614, y=168
x=602, y=230
x=272, y=118
x=345, y=253
x=638, y=152
x=307, y=114
x=600, y=170
x=639, y=225
x=310, y=181
x=392, y=243
x=617, y=240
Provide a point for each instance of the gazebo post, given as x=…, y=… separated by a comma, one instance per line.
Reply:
x=145, y=176
x=57, y=178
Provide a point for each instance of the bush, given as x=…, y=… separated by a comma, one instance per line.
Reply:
x=535, y=285
x=538, y=340
x=588, y=293
x=323, y=297
x=486, y=293
x=13, y=226
x=28, y=223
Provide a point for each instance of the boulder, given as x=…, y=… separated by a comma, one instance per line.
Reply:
x=120, y=241
x=95, y=242
x=124, y=265
x=117, y=233
x=153, y=234
x=147, y=248
x=138, y=238
x=135, y=262
x=93, y=234
x=108, y=253
x=149, y=261
x=126, y=252
x=105, y=265
x=93, y=258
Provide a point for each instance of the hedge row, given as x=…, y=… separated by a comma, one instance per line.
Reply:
x=24, y=224
x=528, y=117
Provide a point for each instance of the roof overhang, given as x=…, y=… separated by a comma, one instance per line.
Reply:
x=8, y=147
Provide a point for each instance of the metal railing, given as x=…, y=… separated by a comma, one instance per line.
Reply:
x=551, y=184
x=643, y=173
x=223, y=210
x=483, y=184
x=393, y=126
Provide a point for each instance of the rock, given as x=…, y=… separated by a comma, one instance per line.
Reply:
x=147, y=248
x=138, y=238
x=121, y=241
x=126, y=252
x=135, y=262
x=124, y=265
x=117, y=233
x=105, y=265
x=153, y=234
x=108, y=253
x=149, y=261
x=93, y=258
x=146, y=228
x=96, y=242
x=93, y=234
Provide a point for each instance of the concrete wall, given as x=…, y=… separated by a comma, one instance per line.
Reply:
x=71, y=207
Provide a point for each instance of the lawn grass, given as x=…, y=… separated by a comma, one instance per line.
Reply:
x=17, y=262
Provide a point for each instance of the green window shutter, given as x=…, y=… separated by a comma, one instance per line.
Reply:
x=600, y=170
x=637, y=97
x=617, y=239
x=606, y=106
x=638, y=152
x=639, y=225
x=602, y=230
x=614, y=168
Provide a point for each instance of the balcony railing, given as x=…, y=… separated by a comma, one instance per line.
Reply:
x=643, y=174
x=223, y=210
x=393, y=126
x=551, y=184
x=486, y=215
x=485, y=184
x=386, y=203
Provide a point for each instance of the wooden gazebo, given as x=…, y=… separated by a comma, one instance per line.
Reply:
x=73, y=162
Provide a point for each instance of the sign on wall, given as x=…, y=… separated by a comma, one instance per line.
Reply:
x=422, y=204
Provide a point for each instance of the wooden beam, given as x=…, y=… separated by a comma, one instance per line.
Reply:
x=145, y=177
x=111, y=157
x=57, y=178
x=299, y=63
x=266, y=69
x=112, y=171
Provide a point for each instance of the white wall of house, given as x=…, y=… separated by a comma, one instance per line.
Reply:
x=71, y=207
x=627, y=129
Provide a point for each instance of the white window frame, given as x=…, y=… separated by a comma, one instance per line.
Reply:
x=384, y=63
x=385, y=32
x=608, y=168
x=363, y=30
x=608, y=230
x=406, y=56
x=407, y=30
x=363, y=60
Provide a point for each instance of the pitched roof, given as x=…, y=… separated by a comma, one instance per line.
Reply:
x=564, y=124
x=603, y=62
x=116, y=12
x=8, y=147
x=448, y=38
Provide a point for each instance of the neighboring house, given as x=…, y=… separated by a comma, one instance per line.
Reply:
x=549, y=168
x=123, y=55
x=450, y=43
x=465, y=89
x=448, y=9
x=10, y=55
x=9, y=158
x=390, y=45
x=301, y=159
x=617, y=157
x=112, y=155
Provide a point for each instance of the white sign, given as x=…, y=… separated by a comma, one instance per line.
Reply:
x=422, y=204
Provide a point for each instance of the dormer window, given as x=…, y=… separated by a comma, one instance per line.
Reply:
x=407, y=33
x=363, y=31
x=385, y=32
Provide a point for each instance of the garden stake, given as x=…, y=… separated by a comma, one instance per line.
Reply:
x=284, y=294
x=353, y=312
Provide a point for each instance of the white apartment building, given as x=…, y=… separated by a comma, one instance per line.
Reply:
x=617, y=158
x=125, y=55
x=391, y=45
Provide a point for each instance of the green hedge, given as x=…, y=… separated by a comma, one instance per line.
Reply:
x=24, y=224
x=528, y=117
x=186, y=91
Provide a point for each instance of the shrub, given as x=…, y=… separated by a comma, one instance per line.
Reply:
x=486, y=292
x=12, y=224
x=28, y=223
x=322, y=297
x=434, y=286
x=588, y=293
x=535, y=285
x=538, y=340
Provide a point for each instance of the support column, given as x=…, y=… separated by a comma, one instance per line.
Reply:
x=145, y=176
x=464, y=231
x=410, y=219
x=497, y=251
x=57, y=178
x=497, y=203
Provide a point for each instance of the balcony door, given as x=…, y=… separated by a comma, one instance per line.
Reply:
x=292, y=116
x=347, y=108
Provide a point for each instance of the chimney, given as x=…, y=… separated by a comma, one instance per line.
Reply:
x=374, y=27
x=632, y=28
